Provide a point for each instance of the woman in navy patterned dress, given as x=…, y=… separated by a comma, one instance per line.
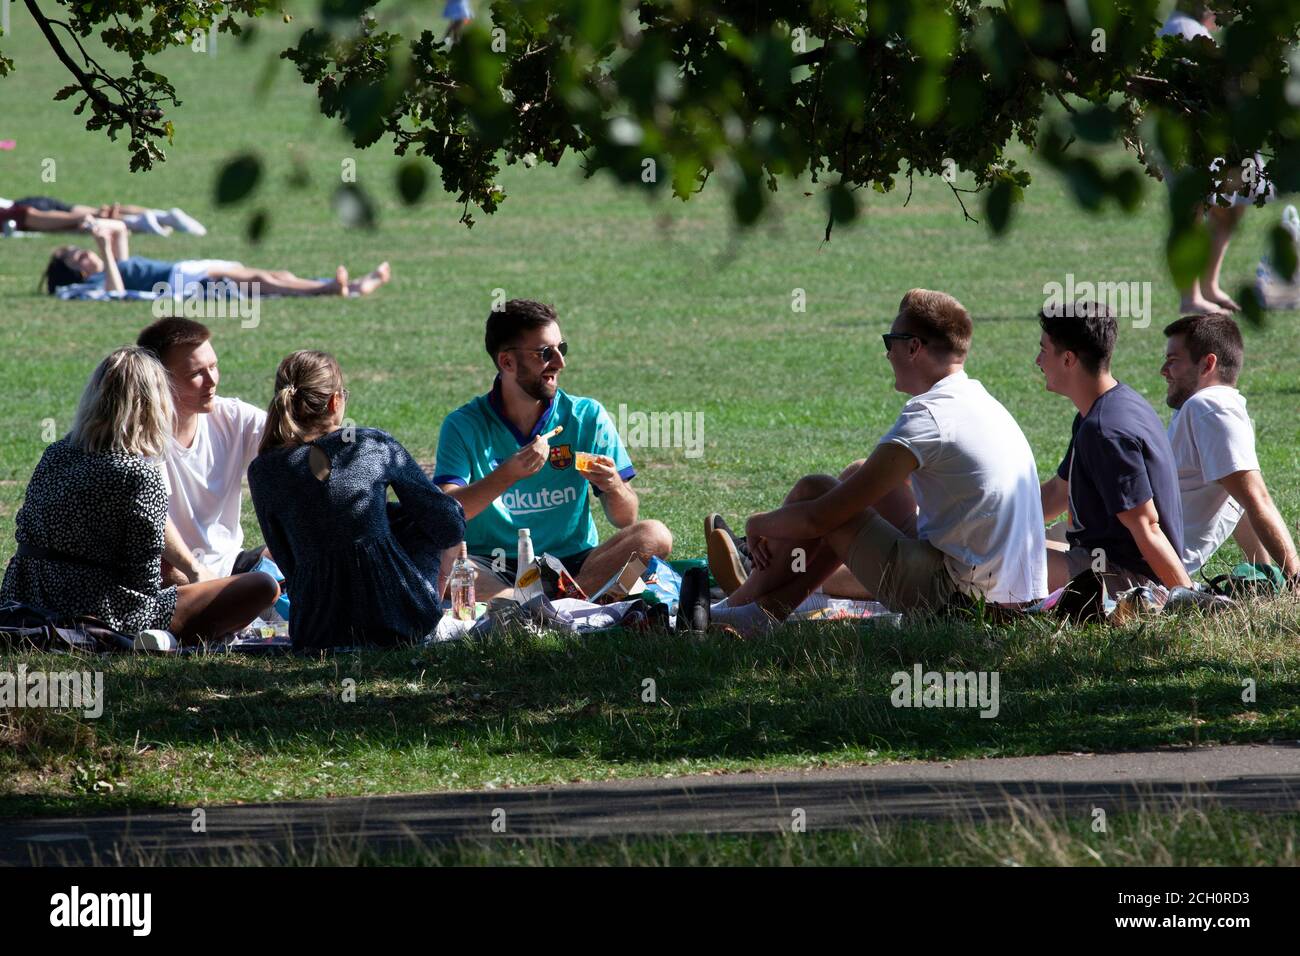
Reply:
x=358, y=568
x=90, y=531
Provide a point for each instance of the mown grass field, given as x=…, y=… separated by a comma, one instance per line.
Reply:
x=667, y=308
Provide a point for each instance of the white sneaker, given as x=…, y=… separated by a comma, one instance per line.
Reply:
x=145, y=222
x=156, y=641
x=185, y=223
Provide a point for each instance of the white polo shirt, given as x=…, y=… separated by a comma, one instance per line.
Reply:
x=1212, y=437
x=205, y=481
x=976, y=488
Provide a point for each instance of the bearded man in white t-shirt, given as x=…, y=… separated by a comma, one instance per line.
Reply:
x=945, y=510
x=213, y=441
x=1214, y=447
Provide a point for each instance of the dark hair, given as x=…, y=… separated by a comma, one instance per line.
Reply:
x=1089, y=332
x=59, y=273
x=172, y=331
x=1212, y=334
x=504, y=327
x=939, y=319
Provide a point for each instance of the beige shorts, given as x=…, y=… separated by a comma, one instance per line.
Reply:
x=902, y=572
x=1078, y=560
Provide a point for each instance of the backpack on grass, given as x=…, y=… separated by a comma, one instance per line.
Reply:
x=1249, y=580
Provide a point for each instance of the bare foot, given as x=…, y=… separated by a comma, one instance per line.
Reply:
x=1221, y=298
x=1196, y=305
x=373, y=280
x=341, y=280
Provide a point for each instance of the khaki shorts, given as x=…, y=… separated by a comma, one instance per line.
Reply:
x=902, y=572
x=1078, y=560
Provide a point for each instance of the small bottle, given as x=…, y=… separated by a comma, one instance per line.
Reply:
x=527, y=577
x=462, y=585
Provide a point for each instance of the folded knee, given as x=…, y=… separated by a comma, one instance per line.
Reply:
x=810, y=486
x=852, y=467
x=654, y=537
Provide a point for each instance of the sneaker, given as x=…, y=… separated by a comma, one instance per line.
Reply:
x=728, y=568
x=742, y=546
x=156, y=641
x=183, y=222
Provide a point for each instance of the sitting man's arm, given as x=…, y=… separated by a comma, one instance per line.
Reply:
x=1143, y=523
x=1249, y=490
x=617, y=498
x=888, y=467
x=1055, y=492
x=181, y=558
x=476, y=496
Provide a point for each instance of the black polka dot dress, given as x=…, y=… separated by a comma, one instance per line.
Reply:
x=94, y=526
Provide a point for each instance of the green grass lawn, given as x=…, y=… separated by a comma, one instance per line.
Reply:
x=667, y=309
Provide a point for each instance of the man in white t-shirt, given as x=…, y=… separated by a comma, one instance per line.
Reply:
x=213, y=441
x=1214, y=446
x=946, y=509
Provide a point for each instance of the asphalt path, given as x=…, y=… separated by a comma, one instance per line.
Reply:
x=1254, y=777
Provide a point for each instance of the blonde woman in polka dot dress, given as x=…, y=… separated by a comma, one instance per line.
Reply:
x=90, y=531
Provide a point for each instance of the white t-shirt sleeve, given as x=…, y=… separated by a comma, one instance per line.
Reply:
x=1225, y=440
x=918, y=432
x=251, y=422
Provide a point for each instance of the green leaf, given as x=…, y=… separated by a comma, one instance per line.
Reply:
x=256, y=227
x=843, y=204
x=997, y=206
x=238, y=178
x=1187, y=252
x=1283, y=254
x=412, y=180
x=1252, y=309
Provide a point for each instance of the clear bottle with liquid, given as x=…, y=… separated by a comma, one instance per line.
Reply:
x=461, y=585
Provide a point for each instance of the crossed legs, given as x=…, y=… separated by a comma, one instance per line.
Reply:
x=799, y=567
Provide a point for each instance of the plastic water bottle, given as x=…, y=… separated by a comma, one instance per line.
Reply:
x=527, y=578
x=461, y=584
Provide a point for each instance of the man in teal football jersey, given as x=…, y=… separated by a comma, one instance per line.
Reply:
x=494, y=457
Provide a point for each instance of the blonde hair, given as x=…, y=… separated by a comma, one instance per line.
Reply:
x=304, y=384
x=126, y=406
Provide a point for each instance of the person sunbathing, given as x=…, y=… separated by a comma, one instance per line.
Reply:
x=114, y=269
x=47, y=214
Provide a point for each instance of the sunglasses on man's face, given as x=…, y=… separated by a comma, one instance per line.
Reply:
x=546, y=352
x=891, y=337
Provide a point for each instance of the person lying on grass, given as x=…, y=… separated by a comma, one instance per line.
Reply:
x=944, y=511
x=358, y=569
x=495, y=458
x=1118, y=479
x=1213, y=441
x=213, y=441
x=90, y=531
x=47, y=214
x=114, y=268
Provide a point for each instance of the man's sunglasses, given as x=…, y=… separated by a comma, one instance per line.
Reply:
x=890, y=337
x=546, y=352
